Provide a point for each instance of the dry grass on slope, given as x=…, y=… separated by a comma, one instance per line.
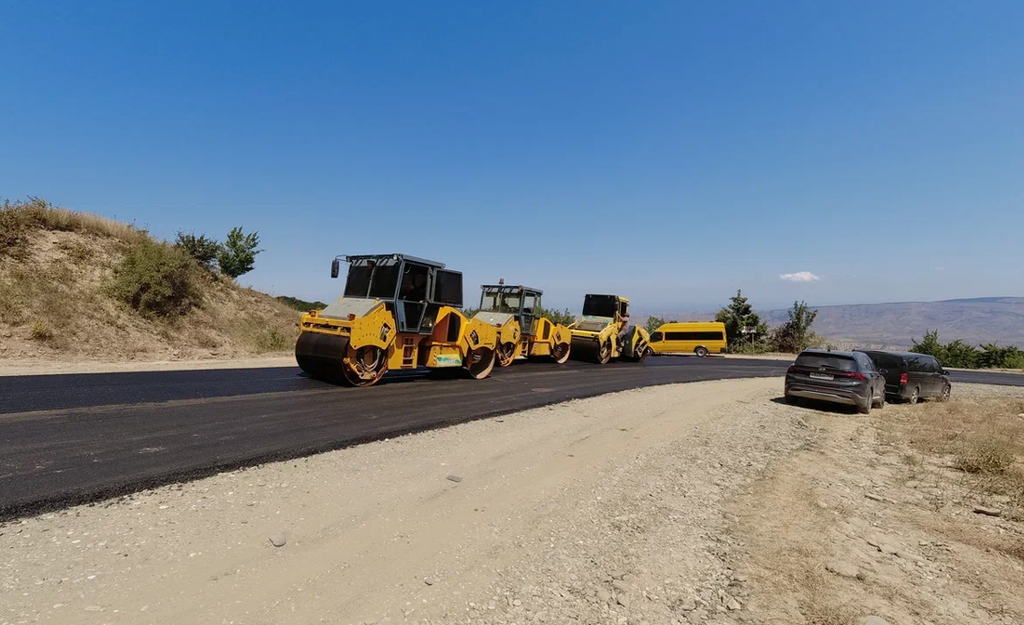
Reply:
x=58, y=273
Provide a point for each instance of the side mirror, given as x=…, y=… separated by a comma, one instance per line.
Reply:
x=335, y=267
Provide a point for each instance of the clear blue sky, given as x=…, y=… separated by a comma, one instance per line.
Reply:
x=670, y=151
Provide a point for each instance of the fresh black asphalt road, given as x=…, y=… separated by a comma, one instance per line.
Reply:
x=67, y=439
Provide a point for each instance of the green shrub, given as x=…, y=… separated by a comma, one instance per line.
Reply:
x=986, y=454
x=40, y=331
x=272, y=340
x=1008, y=357
x=75, y=250
x=201, y=248
x=157, y=280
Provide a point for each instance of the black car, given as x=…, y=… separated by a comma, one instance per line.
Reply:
x=849, y=378
x=911, y=376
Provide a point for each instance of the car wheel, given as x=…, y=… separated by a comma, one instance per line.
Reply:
x=914, y=396
x=865, y=408
x=701, y=352
x=947, y=390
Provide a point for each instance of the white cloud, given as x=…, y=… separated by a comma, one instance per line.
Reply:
x=800, y=276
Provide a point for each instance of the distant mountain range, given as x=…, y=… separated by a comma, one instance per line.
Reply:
x=978, y=320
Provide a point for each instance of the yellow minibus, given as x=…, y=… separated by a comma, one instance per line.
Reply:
x=689, y=338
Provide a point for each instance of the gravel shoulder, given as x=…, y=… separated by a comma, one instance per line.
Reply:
x=598, y=510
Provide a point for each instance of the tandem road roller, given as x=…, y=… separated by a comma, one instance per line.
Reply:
x=604, y=332
x=522, y=331
x=397, y=312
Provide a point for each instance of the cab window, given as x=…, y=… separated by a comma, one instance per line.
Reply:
x=656, y=337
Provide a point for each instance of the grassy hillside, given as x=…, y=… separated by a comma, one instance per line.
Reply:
x=80, y=286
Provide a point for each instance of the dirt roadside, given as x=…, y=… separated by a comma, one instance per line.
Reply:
x=710, y=502
x=10, y=367
x=866, y=520
x=597, y=510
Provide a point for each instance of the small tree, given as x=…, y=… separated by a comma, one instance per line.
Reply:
x=740, y=314
x=960, y=354
x=930, y=345
x=563, y=317
x=204, y=250
x=795, y=335
x=238, y=254
x=653, y=323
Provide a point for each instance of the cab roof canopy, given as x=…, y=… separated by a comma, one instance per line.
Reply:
x=510, y=288
x=411, y=259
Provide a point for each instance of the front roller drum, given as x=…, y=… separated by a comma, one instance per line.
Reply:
x=330, y=358
x=480, y=362
x=591, y=350
x=506, y=354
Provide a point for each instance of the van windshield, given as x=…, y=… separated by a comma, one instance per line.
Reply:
x=827, y=361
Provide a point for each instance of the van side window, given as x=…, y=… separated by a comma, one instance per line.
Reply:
x=656, y=337
x=694, y=336
x=917, y=364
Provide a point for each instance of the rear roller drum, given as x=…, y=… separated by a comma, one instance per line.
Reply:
x=560, y=352
x=480, y=362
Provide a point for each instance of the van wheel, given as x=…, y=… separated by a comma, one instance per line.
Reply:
x=946, y=392
x=881, y=401
x=701, y=351
x=914, y=396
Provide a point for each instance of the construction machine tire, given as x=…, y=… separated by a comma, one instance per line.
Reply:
x=323, y=356
x=506, y=354
x=480, y=362
x=560, y=352
x=368, y=365
x=632, y=352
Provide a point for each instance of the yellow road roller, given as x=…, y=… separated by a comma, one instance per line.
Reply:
x=397, y=312
x=522, y=331
x=604, y=332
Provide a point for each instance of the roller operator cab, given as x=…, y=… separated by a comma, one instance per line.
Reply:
x=604, y=332
x=523, y=330
x=397, y=312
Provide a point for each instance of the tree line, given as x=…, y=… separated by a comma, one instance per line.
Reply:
x=966, y=356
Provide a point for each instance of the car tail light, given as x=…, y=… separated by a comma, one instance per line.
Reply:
x=904, y=379
x=854, y=375
x=791, y=369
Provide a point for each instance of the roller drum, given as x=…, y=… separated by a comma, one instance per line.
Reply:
x=322, y=355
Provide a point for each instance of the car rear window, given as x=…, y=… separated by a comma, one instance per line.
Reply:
x=828, y=361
